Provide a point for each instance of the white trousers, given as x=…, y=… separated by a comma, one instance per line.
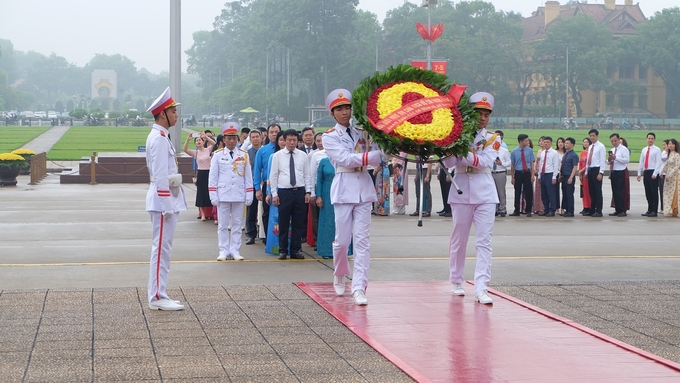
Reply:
x=229, y=242
x=161, y=250
x=352, y=219
x=463, y=216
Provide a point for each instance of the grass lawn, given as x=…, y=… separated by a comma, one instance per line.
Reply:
x=15, y=137
x=637, y=139
x=81, y=141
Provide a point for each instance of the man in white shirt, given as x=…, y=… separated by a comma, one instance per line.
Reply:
x=618, y=160
x=548, y=168
x=649, y=167
x=499, y=171
x=290, y=186
x=595, y=163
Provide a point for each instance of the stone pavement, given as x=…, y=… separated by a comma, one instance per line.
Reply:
x=272, y=333
x=642, y=314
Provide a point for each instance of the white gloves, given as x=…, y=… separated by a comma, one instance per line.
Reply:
x=214, y=202
x=168, y=214
x=249, y=201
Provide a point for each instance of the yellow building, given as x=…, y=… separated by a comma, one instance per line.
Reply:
x=621, y=19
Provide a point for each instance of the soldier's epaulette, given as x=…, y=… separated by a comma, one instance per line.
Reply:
x=330, y=130
x=218, y=150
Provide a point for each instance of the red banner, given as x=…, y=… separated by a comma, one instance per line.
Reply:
x=437, y=66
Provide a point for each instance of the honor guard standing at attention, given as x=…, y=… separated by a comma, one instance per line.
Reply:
x=352, y=193
x=230, y=184
x=477, y=203
x=164, y=200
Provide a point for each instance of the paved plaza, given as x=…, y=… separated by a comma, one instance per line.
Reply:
x=74, y=266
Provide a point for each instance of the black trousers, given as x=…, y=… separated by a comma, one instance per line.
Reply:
x=523, y=181
x=265, y=209
x=595, y=188
x=651, y=191
x=618, y=182
x=251, y=220
x=568, y=195
x=445, y=186
x=292, y=209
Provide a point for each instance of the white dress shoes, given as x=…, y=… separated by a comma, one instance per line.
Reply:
x=165, y=305
x=360, y=298
x=237, y=256
x=458, y=289
x=483, y=298
x=222, y=257
x=339, y=285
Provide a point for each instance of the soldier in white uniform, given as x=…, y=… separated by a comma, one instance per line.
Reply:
x=477, y=203
x=230, y=184
x=164, y=200
x=352, y=193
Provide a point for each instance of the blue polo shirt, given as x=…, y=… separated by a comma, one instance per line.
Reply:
x=516, y=158
x=569, y=162
x=261, y=161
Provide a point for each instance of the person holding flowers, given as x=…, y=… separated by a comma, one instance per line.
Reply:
x=477, y=203
x=352, y=194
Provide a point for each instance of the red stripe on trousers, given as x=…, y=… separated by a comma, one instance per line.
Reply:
x=158, y=261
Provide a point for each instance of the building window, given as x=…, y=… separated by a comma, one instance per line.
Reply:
x=642, y=101
x=627, y=101
x=627, y=71
x=609, y=101
x=643, y=73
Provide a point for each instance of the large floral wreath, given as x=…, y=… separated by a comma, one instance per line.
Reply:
x=415, y=111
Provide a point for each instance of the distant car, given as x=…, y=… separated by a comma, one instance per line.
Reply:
x=27, y=115
x=52, y=114
x=40, y=114
x=324, y=122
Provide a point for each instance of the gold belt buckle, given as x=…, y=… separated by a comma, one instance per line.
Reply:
x=469, y=169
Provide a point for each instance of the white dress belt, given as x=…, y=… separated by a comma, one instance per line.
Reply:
x=342, y=169
x=472, y=170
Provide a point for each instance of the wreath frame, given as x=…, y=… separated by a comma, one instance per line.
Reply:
x=393, y=145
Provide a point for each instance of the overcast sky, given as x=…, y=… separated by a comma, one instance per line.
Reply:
x=138, y=29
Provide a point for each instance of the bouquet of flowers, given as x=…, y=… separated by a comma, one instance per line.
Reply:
x=415, y=111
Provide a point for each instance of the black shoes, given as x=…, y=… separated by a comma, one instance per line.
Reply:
x=652, y=214
x=297, y=255
x=550, y=215
x=250, y=241
x=597, y=215
x=567, y=215
x=514, y=214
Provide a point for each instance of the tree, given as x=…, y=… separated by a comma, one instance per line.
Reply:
x=658, y=45
x=588, y=44
x=59, y=106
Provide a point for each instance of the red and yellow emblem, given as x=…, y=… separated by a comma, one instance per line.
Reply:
x=417, y=111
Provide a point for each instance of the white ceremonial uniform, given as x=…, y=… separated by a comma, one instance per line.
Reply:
x=352, y=195
x=160, y=160
x=477, y=204
x=230, y=183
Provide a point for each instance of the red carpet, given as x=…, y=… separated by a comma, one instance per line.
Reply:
x=436, y=337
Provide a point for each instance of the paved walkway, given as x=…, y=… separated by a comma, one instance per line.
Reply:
x=45, y=141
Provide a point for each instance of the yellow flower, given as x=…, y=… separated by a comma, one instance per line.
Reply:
x=11, y=157
x=23, y=151
x=389, y=100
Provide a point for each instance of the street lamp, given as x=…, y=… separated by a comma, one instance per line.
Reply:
x=428, y=3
